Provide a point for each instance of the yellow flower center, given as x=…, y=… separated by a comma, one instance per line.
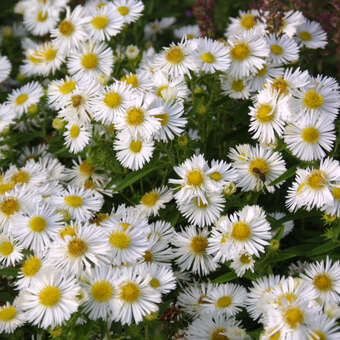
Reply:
x=8, y=313
x=163, y=118
x=216, y=334
x=123, y=10
x=190, y=36
x=257, y=166
x=21, y=98
x=37, y=223
x=100, y=21
x=174, y=55
x=198, y=244
x=313, y=99
x=150, y=198
x=135, y=116
x=76, y=247
x=275, y=336
x=207, y=57
x=317, y=179
x=68, y=86
x=135, y=146
x=74, y=201
x=50, y=53
x=154, y=283
x=34, y=57
x=20, y=176
x=74, y=131
x=49, y=296
x=264, y=113
x=216, y=176
x=199, y=203
x=290, y=297
x=66, y=27
x=42, y=16
x=224, y=301
x=160, y=89
x=305, y=36
x=248, y=21
x=322, y=282
x=77, y=100
x=101, y=291
x=310, y=134
x=89, y=184
x=6, y=248
x=6, y=186
x=100, y=217
x=276, y=49
x=120, y=239
x=195, y=177
x=293, y=315
x=31, y=266
x=280, y=85
x=131, y=79
x=240, y=51
x=112, y=99
x=336, y=192
x=241, y=231
x=237, y=85
x=86, y=168
x=129, y=291
x=89, y=60
x=245, y=258
x=319, y=335
x=9, y=205
x=262, y=71
x=148, y=256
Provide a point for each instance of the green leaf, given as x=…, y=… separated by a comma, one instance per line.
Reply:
x=225, y=277
x=9, y=271
x=287, y=174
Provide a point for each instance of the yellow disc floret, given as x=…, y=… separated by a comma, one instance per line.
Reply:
x=101, y=290
x=37, y=223
x=49, y=296
x=129, y=291
x=199, y=244
x=241, y=231
x=120, y=239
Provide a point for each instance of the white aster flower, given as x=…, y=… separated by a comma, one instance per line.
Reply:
x=311, y=35
x=77, y=136
x=264, y=74
x=129, y=10
x=10, y=250
x=11, y=316
x=187, y=32
x=237, y=88
x=5, y=68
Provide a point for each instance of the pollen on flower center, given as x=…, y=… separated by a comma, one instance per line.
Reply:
x=310, y=134
x=198, y=244
x=276, y=49
x=49, y=296
x=101, y=290
x=174, y=55
x=216, y=176
x=20, y=176
x=293, y=316
x=163, y=118
x=260, y=164
x=241, y=231
x=6, y=248
x=207, y=57
x=86, y=168
x=135, y=146
x=154, y=282
x=76, y=247
x=74, y=201
x=237, y=85
x=50, y=53
x=264, y=113
x=248, y=21
x=42, y=16
x=245, y=258
x=89, y=60
x=195, y=177
x=123, y=10
x=100, y=21
x=112, y=99
x=224, y=301
x=323, y=282
x=336, y=193
x=77, y=100
x=31, y=266
x=74, y=131
x=148, y=256
x=135, y=116
x=120, y=239
x=305, y=36
x=313, y=99
x=150, y=198
x=317, y=179
x=131, y=79
x=9, y=205
x=240, y=51
x=68, y=86
x=37, y=223
x=129, y=291
x=66, y=27
x=21, y=98
x=216, y=334
x=8, y=313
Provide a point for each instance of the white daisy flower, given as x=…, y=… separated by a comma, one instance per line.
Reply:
x=323, y=328
x=7, y=116
x=5, y=68
x=290, y=22
x=283, y=50
x=100, y=285
x=135, y=297
x=334, y=207
x=139, y=81
x=111, y=101
x=191, y=251
x=241, y=262
x=71, y=32
x=10, y=250
x=311, y=35
x=187, y=32
x=158, y=251
x=59, y=91
x=248, y=52
x=104, y=23
x=211, y=55
x=129, y=10
x=77, y=136
x=21, y=99
x=80, y=203
x=161, y=230
x=36, y=229
x=237, y=88
x=157, y=26
x=90, y=60
x=35, y=152
x=324, y=278
x=264, y=74
x=309, y=138
x=11, y=316
x=51, y=299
